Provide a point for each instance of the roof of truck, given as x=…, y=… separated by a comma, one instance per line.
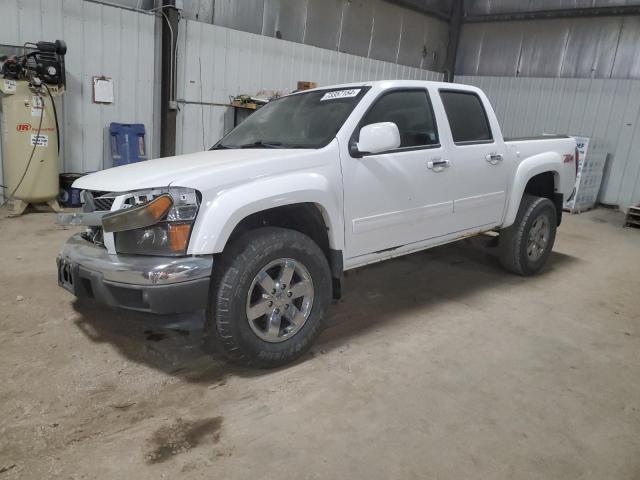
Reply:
x=395, y=83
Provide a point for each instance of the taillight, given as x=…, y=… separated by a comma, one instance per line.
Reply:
x=577, y=157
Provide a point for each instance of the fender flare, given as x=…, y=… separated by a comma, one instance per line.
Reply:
x=230, y=206
x=526, y=170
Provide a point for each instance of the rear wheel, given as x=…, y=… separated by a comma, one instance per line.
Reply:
x=526, y=245
x=269, y=297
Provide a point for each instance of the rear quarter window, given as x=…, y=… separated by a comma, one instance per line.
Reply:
x=467, y=117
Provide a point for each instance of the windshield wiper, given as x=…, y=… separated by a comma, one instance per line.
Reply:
x=257, y=144
x=260, y=144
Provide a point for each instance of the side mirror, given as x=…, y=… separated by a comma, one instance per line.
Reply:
x=377, y=138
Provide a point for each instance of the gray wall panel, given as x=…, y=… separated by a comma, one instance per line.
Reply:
x=324, y=18
x=387, y=25
x=441, y=6
x=603, y=108
x=411, y=40
x=357, y=22
x=627, y=59
x=423, y=41
x=436, y=40
x=469, y=49
x=500, y=50
x=477, y=7
x=245, y=15
x=543, y=48
x=287, y=17
x=485, y=7
x=591, y=47
x=201, y=10
x=604, y=47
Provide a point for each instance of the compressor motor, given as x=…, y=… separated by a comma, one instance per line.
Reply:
x=44, y=61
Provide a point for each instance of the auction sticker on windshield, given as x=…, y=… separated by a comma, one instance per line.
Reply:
x=352, y=92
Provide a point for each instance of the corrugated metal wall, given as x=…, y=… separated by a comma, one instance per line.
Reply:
x=101, y=40
x=370, y=28
x=599, y=47
x=215, y=63
x=487, y=7
x=603, y=108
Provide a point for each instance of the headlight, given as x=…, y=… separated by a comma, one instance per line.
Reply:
x=157, y=222
x=141, y=216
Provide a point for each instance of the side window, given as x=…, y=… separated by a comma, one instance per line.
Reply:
x=411, y=111
x=467, y=117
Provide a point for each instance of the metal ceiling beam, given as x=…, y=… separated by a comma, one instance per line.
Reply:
x=420, y=6
x=560, y=13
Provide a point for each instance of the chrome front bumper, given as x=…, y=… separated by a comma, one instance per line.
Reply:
x=138, y=282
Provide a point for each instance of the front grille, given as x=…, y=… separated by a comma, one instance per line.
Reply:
x=103, y=203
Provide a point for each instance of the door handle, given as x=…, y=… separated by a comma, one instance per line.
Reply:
x=494, y=158
x=438, y=165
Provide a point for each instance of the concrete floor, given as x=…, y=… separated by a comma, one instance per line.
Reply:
x=435, y=365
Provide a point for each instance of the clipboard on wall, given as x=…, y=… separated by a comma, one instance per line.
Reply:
x=103, y=90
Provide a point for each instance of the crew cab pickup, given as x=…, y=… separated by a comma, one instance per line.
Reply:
x=259, y=230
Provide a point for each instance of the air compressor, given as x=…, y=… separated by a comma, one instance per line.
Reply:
x=29, y=84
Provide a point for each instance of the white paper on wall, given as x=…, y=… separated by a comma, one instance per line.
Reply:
x=103, y=90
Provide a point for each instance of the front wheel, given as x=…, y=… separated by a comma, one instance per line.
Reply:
x=526, y=245
x=269, y=297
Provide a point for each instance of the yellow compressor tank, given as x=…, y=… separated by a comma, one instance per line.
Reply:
x=29, y=143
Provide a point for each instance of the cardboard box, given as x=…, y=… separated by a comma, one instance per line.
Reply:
x=249, y=105
x=304, y=85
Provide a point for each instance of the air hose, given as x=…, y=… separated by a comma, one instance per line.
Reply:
x=55, y=116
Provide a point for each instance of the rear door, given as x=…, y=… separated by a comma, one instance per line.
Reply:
x=401, y=196
x=479, y=153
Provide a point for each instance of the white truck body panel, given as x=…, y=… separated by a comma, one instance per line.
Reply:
x=374, y=207
x=528, y=161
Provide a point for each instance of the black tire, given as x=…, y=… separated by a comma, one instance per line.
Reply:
x=513, y=241
x=228, y=327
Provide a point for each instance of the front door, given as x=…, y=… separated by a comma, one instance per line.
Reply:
x=402, y=196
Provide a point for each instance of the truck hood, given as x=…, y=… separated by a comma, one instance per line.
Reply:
x=186, y=170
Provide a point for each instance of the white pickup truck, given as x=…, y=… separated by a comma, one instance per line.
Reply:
x=260, y=229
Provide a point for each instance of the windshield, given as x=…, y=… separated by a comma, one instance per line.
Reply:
x=304, y=120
